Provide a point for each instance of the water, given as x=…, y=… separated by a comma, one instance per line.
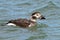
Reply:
x=48, y=29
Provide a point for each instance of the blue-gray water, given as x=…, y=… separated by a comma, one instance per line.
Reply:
x=48, y=29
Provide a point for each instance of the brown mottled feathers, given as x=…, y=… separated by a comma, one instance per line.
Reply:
x=21, y=22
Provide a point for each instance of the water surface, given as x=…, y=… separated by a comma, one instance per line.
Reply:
x=48, y=29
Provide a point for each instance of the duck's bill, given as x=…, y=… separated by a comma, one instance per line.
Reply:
x=42, y=17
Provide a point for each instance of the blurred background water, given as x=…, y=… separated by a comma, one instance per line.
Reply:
x=48, y=29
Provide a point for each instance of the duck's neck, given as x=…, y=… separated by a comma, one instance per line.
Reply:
x=33, y=20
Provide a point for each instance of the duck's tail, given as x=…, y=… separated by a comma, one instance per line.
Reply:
x=8, y=24
x=3, y=24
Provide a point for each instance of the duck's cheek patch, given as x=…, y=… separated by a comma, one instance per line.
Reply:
x=36, y=16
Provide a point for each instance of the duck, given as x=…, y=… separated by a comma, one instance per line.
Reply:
x=26, y=22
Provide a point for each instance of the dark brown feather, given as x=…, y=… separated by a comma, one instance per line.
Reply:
x=21, y=22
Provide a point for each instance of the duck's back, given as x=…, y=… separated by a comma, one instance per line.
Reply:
x=20, y=22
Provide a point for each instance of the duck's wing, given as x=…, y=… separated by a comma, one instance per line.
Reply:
x=21, y=22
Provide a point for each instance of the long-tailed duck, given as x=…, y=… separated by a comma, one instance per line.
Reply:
x=25, y=22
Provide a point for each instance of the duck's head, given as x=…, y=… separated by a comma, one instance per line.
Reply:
x=37, y=15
